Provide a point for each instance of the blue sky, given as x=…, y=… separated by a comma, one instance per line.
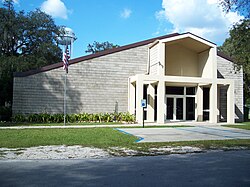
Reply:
x=127, y=21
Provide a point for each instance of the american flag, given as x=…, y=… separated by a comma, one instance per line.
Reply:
x=66, y=57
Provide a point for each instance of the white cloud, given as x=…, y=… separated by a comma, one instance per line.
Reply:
x=201, y=17
x=126, y=13
x=160, y=15
x=55, y=8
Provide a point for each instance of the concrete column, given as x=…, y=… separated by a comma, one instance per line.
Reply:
x=161, y=67
x=213, y=103
x=161, y=102
x=185, y=104
x=230, y=104
x=199, y=104
x=131, y=98
x=139, y=97
x=213, y=61
x=218, y=103
x=150, y=106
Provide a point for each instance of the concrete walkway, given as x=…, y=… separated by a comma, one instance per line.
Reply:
x=68, y=126
x=196, y=131
x=213, y=132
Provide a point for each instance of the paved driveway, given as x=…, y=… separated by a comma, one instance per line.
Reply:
x=215, y=168
x=186, y=133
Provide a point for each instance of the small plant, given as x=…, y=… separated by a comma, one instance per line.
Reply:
x=19, y=118
x=57, y=118
x=34, y=118
x=74, y=118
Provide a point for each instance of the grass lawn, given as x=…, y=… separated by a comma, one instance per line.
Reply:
x=206, y=144
x=245, y=125
x=96, y=137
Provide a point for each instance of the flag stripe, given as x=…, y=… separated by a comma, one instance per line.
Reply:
x=66, y=58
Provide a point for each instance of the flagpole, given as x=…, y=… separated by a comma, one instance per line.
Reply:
x=65, y=38
x=65, y=95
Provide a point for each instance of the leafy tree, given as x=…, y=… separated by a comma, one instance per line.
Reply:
x=27, y=41
x=243, y=6
x=97, y=47
x=237, y=46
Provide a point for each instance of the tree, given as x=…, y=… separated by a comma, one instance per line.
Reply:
x=237, y=46
x=27, y=41
x=97, y=47
x=242, y=6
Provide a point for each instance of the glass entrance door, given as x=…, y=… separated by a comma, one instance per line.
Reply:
x=175, y=108
x=170, y=108
x=179, y=108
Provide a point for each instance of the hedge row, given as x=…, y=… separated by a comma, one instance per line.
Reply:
x=74, y=118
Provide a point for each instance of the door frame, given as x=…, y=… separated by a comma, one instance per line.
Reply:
x=174, y=97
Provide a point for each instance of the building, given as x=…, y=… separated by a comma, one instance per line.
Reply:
x=182, y=77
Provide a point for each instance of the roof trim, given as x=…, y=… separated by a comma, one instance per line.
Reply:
x=88, y=57
x=200, y=37
x=107, y=52
x=191, y=36
x=223, y=55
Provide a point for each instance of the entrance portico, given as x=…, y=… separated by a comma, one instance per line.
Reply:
x=174, y=107
x=181, y=83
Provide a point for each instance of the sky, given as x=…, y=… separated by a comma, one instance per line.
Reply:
x=124, y=22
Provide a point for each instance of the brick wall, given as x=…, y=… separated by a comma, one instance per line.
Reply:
x=93, y=85
x=226, y=70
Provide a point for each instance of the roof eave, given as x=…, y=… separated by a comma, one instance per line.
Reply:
x=91, y=56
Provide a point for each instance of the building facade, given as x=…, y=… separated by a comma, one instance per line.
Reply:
x=181, y=76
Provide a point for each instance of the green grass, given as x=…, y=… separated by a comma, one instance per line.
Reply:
x=205, y=144
x=120, y=124
x=97, y=137
x=245, y=125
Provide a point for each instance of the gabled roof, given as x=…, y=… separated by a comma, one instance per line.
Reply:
x=223, y=55
x=103, y=53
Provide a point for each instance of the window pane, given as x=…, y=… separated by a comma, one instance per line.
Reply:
x=174, y=90
x=179, y=108
x=170, y=108
x=190, y=108
x=145, y=92
x=190, y=90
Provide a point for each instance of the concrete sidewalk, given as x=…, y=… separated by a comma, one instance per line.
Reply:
x=196, y=131
x=214, y=132
x=68, y=126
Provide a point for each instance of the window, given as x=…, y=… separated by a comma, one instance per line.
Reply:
x=174, y=90
x=190, y=90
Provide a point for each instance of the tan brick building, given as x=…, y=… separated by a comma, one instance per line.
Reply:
x=182, y=77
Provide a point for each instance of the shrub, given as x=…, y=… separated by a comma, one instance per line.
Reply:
x=57, y=118
x=74, y=118
x=19, y=118
x=34, y=118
